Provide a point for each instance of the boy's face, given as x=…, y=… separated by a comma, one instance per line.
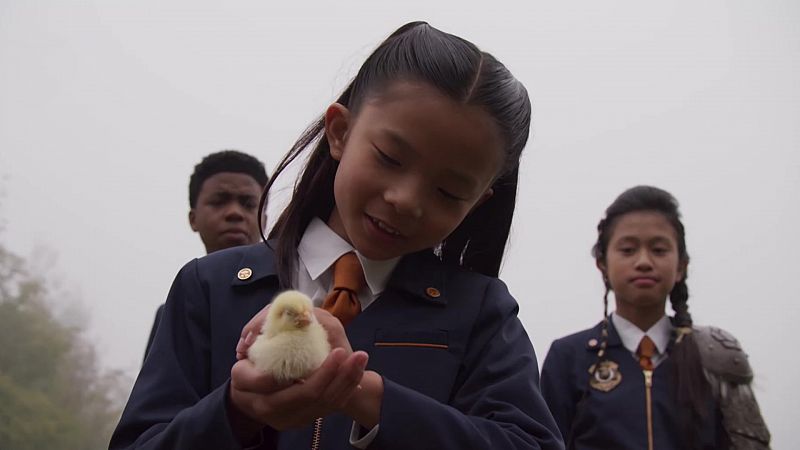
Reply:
x=226, y=213
x=412, y=164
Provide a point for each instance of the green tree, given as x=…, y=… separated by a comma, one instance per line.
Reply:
x=53, y=393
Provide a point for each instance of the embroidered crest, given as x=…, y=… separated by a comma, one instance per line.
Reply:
x=606, y=377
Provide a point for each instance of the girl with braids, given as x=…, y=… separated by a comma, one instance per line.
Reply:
x=410, y=181
x=640, y=379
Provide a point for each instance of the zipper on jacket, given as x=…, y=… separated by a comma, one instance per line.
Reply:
x=648, y=385
x=316, y=436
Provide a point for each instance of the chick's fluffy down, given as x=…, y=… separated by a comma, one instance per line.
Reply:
x=292, y=343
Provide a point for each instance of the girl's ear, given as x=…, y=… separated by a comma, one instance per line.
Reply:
x=681, y=271
x=337, y=124
x=601, y=266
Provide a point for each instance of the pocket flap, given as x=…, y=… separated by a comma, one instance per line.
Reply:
x=411, y=338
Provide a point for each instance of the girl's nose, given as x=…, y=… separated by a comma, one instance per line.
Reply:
x=406, y=200
x=643, y=261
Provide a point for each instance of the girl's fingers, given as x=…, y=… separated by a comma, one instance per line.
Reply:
x=243, y=345
x=336, y=334
x=328, y=389
x=346, y=381
x=254, y=325
x=249, y=333
x=310, y=391
x=246, y=377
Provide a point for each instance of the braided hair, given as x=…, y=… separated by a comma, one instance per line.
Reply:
x=691, y=391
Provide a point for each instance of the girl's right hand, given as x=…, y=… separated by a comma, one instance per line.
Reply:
x=262, y=400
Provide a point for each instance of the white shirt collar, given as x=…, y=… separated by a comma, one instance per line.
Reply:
x=320, y=247
x=631, y=335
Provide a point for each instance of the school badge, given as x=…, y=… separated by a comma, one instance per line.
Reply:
x=606, y=377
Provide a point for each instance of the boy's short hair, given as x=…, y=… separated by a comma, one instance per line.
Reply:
x=225, y=161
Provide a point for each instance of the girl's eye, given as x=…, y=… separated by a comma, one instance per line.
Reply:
x=626, y=250
x=451, y=196
x=660, y=251
x=386, y=159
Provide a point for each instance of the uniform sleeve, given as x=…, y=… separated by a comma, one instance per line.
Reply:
x=156, y=321
x=172, y=405
x=496, y=402
x=558, y=386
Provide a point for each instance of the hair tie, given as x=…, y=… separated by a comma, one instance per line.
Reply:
x=682, y=331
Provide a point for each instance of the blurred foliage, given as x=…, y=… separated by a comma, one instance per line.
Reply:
x=53, y=393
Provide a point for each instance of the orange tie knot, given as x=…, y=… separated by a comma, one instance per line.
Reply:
x=348, y=279
x=348, y=274
x=646, y=350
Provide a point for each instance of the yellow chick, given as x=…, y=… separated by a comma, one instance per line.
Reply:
x=292, y=342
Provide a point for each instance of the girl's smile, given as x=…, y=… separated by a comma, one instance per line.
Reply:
x=383, y=227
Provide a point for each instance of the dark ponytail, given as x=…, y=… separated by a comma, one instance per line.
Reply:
x=692, y=392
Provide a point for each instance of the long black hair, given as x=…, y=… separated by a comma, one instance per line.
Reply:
x=418, y=52
x=691, y=387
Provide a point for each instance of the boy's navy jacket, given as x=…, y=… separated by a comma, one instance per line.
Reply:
x=480, y=392
x=615, y=419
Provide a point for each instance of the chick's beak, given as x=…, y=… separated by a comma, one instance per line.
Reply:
x=303, y=319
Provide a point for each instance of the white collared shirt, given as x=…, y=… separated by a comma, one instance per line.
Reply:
x=319, y=248
x=631, y=335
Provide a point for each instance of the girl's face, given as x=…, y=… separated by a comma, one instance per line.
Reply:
x=412, y=164
x=642, y=262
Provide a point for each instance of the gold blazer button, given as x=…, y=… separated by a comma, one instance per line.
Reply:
x=244, y=273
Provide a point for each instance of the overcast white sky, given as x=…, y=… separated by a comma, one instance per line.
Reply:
x=105, y=107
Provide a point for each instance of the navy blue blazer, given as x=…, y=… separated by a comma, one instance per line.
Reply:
x=592, y=419
x=477, y=389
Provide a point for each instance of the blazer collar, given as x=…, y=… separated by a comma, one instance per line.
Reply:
x=258, y=262
x=422, y=275
x=596, y=336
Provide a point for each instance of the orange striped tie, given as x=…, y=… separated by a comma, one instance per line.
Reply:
x=645, y=352
x=348, y=279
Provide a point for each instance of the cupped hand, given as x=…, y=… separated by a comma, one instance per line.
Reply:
x=328, y=389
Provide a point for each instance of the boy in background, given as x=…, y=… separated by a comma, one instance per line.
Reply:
x=224, y=192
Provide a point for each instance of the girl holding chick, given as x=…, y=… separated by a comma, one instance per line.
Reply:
x=640, y=379
x=414, y=170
